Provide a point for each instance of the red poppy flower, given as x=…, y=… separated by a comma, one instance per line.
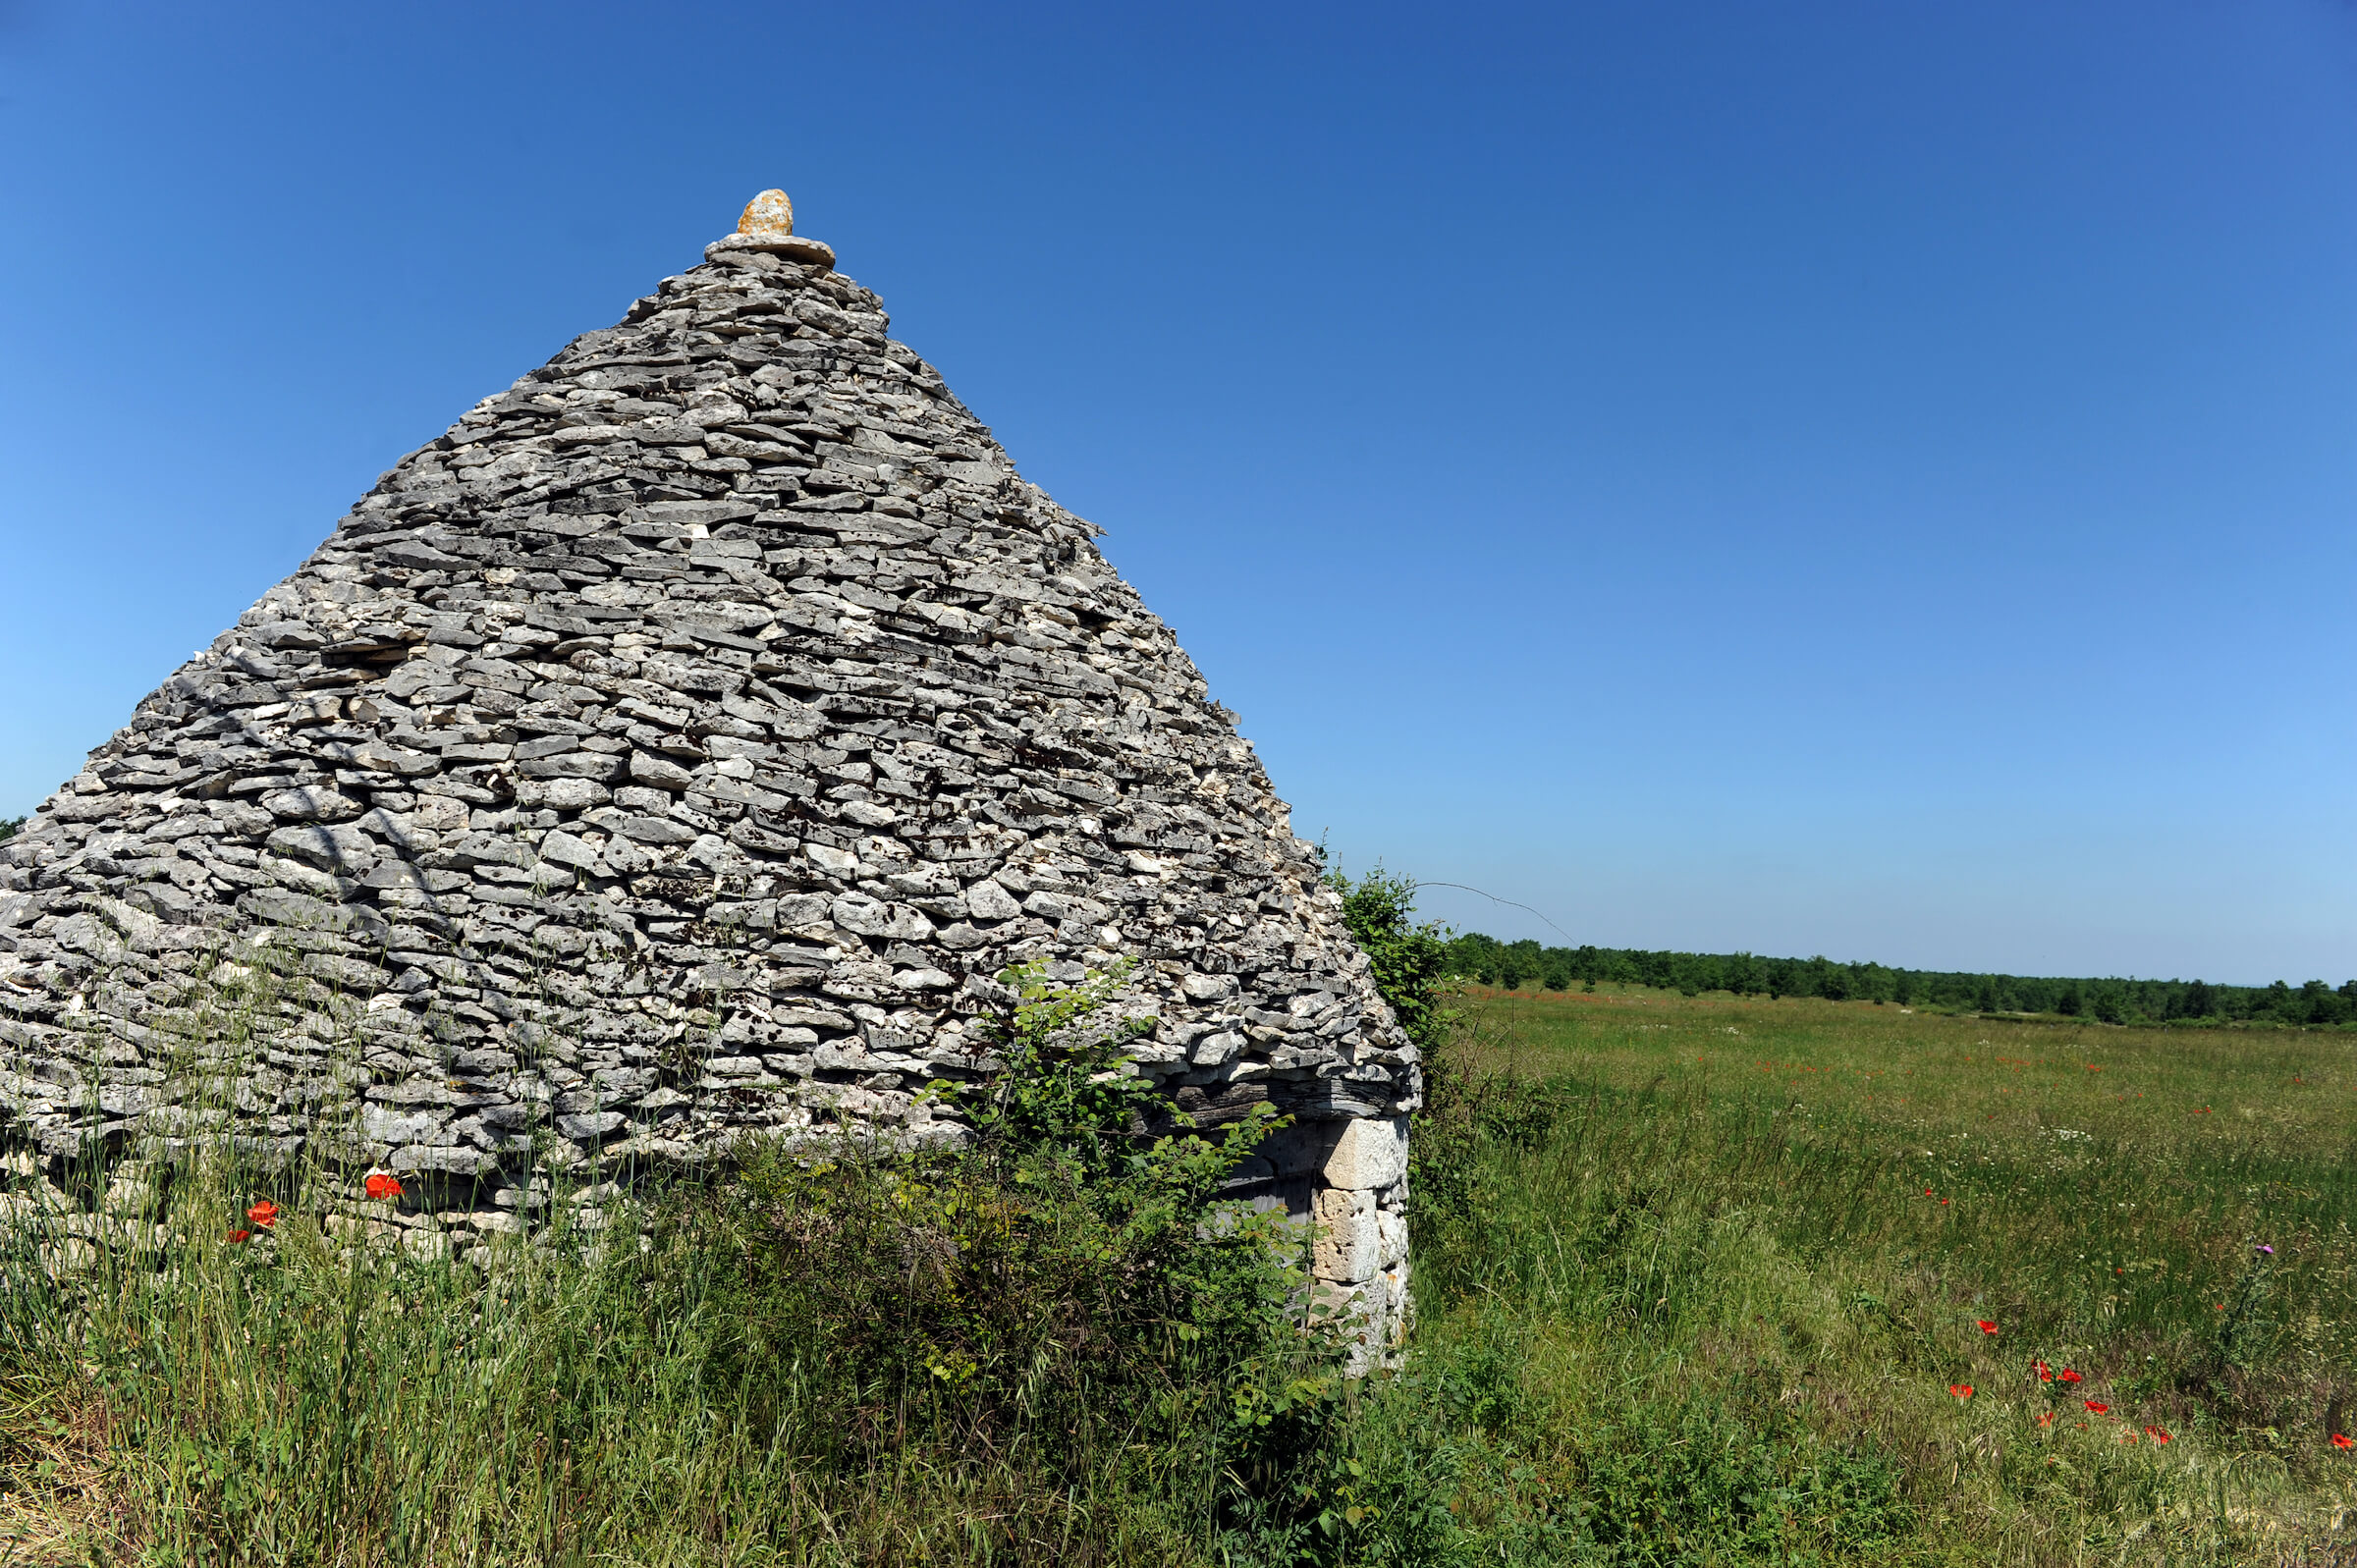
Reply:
x=2046, y=1418
x=1943, y=1203
x=2069, y=1375
x=2127, y=1437
x=1987, y=1327
x=2339, y=1442
x=2046, y=1373
x=2157, y=1434
x=1962, y=1391
x=240, y=1236
x=2097, y=1406
x=382, y=1187
x=263, y=1214
x=1927, y=1192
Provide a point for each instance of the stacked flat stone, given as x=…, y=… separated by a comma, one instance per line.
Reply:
x=675, y=749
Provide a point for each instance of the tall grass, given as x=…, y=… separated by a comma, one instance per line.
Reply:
x=1031, y=1349
x=294, y=1400
x=1739, y=1291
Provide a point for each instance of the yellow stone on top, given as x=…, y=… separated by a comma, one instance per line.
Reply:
x=768, y=225
x=768, y=216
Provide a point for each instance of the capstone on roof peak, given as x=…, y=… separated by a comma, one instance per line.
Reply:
x=769, y=215
x=767, y=224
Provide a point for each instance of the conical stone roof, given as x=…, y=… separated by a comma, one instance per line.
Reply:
x=673, y=749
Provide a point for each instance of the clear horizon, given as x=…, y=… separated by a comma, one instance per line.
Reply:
x=1853, y=480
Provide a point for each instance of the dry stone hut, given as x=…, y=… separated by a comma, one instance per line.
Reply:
x=670, y=750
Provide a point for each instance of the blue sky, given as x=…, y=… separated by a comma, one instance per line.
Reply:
x=1872, y=479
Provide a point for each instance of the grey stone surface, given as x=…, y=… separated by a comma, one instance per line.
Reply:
x=672, y=750
x=1368, y=1153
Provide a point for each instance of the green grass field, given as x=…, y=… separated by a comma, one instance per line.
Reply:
x=1775, y=1233
x=1700, y=1281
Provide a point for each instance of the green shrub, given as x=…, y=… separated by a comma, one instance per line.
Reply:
x=1057, y=1274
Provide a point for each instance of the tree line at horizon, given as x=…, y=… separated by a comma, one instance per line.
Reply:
x=1514, y=965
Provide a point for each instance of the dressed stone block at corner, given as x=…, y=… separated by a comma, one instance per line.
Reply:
x=671, y=751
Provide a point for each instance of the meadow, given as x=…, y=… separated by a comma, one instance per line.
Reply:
x=1700, y=1281
x=1954, y=1287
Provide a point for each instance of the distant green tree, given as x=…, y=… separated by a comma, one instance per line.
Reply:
x=2319, y=1004
x=9, y=827
x=1473, y=956
x=2109, y=1003
x=1822, y=979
